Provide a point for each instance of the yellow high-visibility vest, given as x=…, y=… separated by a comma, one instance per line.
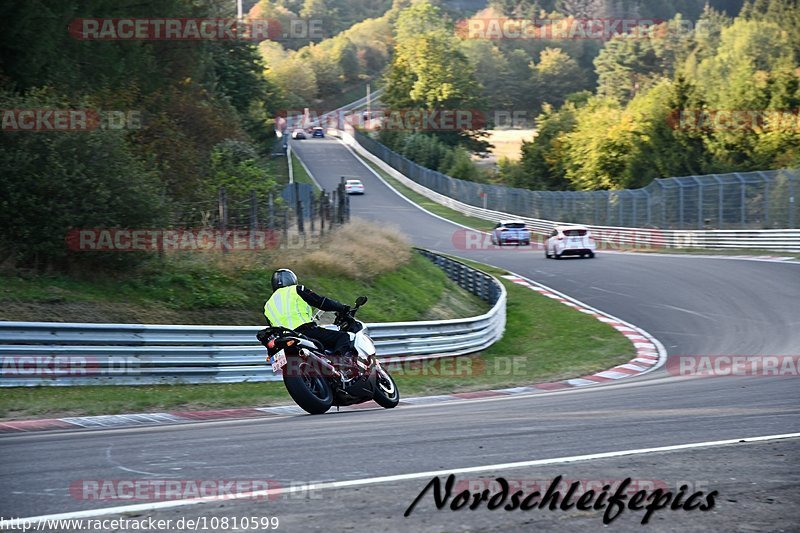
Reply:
x=285, y=308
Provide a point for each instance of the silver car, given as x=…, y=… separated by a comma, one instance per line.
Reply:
x=511, y=232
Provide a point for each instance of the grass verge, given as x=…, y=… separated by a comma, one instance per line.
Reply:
x=300, y=173
x=430, y=205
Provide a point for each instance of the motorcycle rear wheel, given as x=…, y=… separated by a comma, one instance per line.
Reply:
x=312, y=393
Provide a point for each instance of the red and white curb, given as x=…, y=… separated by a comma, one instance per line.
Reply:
x=650, y=354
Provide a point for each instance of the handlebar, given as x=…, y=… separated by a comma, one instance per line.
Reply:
x=343, y=319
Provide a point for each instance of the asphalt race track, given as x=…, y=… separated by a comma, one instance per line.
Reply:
x=708, y=306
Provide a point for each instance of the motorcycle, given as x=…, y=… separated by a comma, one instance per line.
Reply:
x=316, y=379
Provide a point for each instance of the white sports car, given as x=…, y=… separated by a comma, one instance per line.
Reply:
x=569, y=240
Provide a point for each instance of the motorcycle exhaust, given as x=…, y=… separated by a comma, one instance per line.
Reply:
x=319, y=365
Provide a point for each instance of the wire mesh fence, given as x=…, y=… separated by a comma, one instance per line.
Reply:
x=739, y=200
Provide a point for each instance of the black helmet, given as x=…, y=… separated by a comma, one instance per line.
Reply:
x=283, y=278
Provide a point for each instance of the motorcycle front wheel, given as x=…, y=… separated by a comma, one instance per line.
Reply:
x=312, y=393
x=387, y=394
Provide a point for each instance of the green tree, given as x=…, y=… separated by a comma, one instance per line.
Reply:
x=327, y=71
x=491, y=70
x=345, y=54
x=554, y=77
x=286, y=70
x=597, y=150
x=430, y=72
x=541, y=166
x=753, y=70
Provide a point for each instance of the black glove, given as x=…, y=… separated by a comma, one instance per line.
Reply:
x=346, y=309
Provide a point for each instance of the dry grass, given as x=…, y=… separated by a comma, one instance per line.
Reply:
x=507, y=143
x=359, y=250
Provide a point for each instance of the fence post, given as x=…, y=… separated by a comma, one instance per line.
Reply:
x=791, y=200
x=253, y=219
x=333, y=207
x=322, y=212
x=253, y=210
x=699, y=204
x=271, y=220
x=743, y=203
x=311, y=210
x=766, y=199
x=289, y=160
x=223, y=217
x=341, y=207
x=298, y=208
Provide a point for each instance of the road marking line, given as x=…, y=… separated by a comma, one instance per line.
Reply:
x=260, y=494
x=645, y=344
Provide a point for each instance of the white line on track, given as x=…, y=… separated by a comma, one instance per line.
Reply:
x=260, y=494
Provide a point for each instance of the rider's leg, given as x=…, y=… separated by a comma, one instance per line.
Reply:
x=335, y=341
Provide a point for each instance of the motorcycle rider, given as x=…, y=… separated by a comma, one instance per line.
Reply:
x=290, y=307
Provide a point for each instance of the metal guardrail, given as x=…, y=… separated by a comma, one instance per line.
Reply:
x=50, y=353
x=784, y=240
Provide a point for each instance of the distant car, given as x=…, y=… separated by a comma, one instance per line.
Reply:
x=353, y=186
x=298, y=134
x=318, y=132
x=569, y=240
x=511, y=231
